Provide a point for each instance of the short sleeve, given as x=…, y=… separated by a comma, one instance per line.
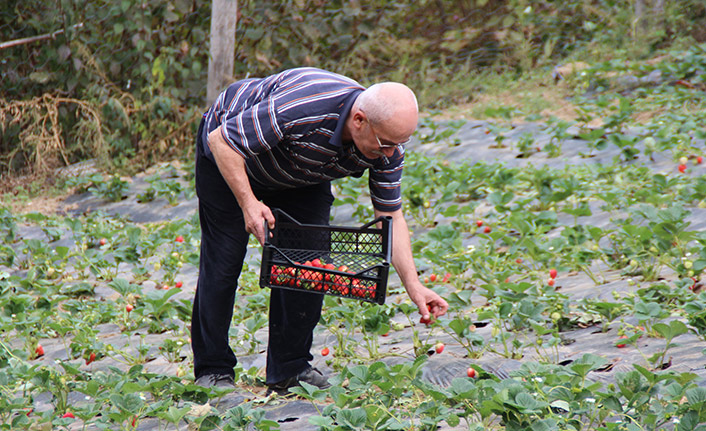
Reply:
x=385, y=184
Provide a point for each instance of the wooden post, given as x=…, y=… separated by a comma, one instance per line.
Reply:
x=221, y=58
x=649, y=17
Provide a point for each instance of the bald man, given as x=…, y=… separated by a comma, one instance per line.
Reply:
x=278, y=142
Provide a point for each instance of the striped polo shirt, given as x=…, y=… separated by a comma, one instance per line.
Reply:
x=288, y=129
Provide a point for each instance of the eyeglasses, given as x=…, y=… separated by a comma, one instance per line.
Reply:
x=387, y=144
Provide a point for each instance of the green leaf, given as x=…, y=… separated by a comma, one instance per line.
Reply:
x=586, y=363
x=674, y=329
x=174, y=415
x=376, y=415
x=323, y=422
x=696, y=395
x=354, y=418
x=453, y=420
x=548, y=424
x=560, y=404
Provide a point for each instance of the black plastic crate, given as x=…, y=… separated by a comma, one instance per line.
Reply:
x=357, y=259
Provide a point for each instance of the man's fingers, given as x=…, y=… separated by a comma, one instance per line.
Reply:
x=270, y=218
x=424, y=310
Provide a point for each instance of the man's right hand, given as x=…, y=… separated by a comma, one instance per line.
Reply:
x=232, y=167
x=255, y=215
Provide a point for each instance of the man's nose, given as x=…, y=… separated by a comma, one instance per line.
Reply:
x=389, y=152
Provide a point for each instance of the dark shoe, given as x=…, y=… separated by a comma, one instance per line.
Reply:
x=311, y=376
x=217, y=380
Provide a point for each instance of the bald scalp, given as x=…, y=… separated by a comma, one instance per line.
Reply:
x=391, y=104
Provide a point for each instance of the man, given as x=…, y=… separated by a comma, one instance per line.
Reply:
x=277, y=142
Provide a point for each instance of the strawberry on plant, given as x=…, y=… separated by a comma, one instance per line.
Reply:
x=552, y=273
x=178, y=284
x=426, y=280
x=179, y=239
x=91, y=358
x=324, y=351
x=69, y=415
x=471, y=372
x=622, y=337
x=699, y=160
x=682, y=168
x=487, y=229
x=447, y=277
x=432, y=278
x=129, y=308
x=39, y=350
x=439, y=347
x=550, y=282
x=479, y=223
x=102, y=241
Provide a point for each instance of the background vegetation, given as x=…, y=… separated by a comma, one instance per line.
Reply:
x=125, y=81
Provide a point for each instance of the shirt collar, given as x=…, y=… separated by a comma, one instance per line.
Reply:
x=345, y=110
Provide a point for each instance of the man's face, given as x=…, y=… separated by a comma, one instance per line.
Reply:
x=373, y=141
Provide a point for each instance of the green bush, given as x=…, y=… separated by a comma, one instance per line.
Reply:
x=125, y=81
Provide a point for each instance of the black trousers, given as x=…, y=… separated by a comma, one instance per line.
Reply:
x=293, y=314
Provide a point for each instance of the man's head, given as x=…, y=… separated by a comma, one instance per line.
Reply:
x=382, y=116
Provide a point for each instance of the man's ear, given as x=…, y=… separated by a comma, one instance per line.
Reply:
x=358, y=118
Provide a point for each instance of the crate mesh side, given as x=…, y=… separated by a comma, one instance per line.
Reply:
x=356, y=242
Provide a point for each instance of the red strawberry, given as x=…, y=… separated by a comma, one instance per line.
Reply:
x=324, y=351
x=39, y=350
x=69, y=415
x=518, y=260
x=699, y=160
x=102, y=241
x=470, y=372
x=425, y=321
x=179, y=239
x=487, y=229
x=439, y=347
x=622, y=337
x=479, y=223
x=317, y=263
x=447, y=277
x=552, y=273
x=682, y=168
x=432, y=278
x=550, y=282
x=178, y=284
x=129, y=308
x=91, y=358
